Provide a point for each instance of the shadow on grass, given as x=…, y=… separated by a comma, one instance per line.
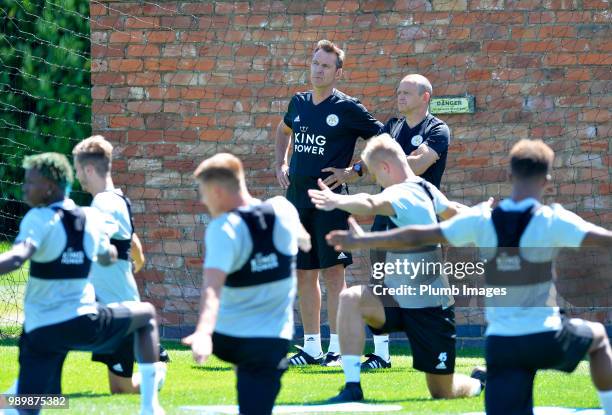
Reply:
x=368, y=401
x=212, y=368
x=9, y=341
x=89, y=394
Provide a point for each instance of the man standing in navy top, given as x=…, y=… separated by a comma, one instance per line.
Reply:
x=424, y=139
x=323, y=125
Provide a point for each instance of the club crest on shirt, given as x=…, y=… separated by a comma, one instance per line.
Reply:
x=417, y=140
x=332, y=120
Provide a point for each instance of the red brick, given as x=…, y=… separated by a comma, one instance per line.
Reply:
x=166, y=64
x=127, y=37
x=107, y=78
x=574, y=17
x=97, y=9
x=198, y=36
x=341, y=6
x=557, y=31
x=251, y=21
x=144, y=107
x=98, y=51
x=596, y=115
x=199, y=121
x=560, y=59
x=143, y=78
x=538, y=46
x=197, y=8
x=142, y=22
x=161, y=9
x=215, y=135
x=106, y=107
x=595, y=59
x=106, y=23
x=161, y=37
x=232, y=7
x=178, y=22
x=180, y=135
x=143, y=50
x=576, y=189
x=126, y=65
x=145, y=136
x=500, y=46
x=163, y=93
x=412, y=5
x=131, y=121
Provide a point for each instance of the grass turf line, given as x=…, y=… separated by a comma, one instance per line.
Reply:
x=213, y=384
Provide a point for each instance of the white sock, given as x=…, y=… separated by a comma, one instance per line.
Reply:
x=312, y=344
x=148, y=388
x=334, y=344
x=351, y=365
x=381, y=346
x=476, y=389
x=605, y=397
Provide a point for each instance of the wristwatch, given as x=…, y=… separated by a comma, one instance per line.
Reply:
x=358, y=169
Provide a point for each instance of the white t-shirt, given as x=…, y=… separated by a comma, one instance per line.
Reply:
x=550, y=227
x=114, y=283
x=51, y=301
x=413, y=206
x=264, y=310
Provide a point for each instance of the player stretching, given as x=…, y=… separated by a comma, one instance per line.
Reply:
x=323, y=125
x=424, y=139
x=428, y=321
x=115, y=283
x=62, y=240
x=529, y=333
x=248, y=289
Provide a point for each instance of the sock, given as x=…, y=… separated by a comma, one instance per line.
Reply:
x=148, y=387
x=334, y=344
x=381, y=346
x=605, y=397
x=312, y=344
x=351, y=365
x=476, y=389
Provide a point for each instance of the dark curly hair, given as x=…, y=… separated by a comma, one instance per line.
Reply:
x=53, y=166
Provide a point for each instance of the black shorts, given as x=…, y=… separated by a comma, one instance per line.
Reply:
x=431, y=333
x=121, y=361
x=260, y=364
x=42, y=351
x=319, y=223
x=512, y=363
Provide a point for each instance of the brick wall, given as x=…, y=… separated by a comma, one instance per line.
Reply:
x=175, y=82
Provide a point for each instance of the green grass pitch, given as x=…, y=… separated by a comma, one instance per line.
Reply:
x=213, y=384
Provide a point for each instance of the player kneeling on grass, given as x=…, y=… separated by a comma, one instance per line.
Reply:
x=427, y=320
x=249, y=284
x=61, y=240
x=114, y=283
x=525, y=331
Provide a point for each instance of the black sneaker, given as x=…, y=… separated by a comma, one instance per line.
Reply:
x=302, y=358
x=375, y=362
x=480, y=373
x=163, y=354
x=332, y=359
x=350, y=393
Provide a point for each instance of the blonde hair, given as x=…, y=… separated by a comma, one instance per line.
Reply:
x=382, y=147
x=97, y=151
x=330, y=47
x=222, y=168
x=531, y=158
